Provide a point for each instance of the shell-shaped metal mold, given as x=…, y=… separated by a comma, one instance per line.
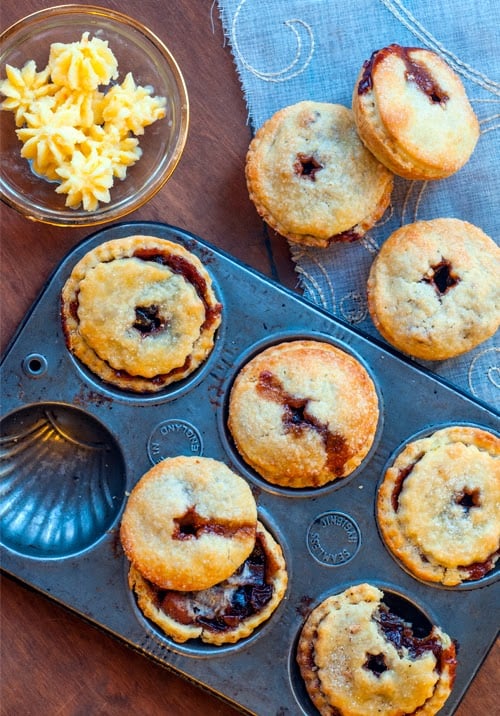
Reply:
x=62, y=480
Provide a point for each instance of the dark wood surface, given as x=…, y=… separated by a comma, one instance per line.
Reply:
x=52, y=662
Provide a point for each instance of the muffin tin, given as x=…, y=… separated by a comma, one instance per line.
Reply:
x=73, y=447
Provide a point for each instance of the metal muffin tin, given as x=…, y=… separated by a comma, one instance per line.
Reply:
x=73, y=447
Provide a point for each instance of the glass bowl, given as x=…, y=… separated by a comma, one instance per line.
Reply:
x=138, y=51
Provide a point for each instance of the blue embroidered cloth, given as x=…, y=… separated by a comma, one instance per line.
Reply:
x=290, y=50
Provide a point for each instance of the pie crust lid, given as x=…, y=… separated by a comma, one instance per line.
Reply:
x=189, y=523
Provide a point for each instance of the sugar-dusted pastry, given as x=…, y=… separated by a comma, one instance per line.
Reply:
x=303, y=413
x=433, y=289
x=359, y=658
x=140, y=312
x=226, y=612
x=438, y=506
x=311, y=178
x=189, y=523
x=411, y=110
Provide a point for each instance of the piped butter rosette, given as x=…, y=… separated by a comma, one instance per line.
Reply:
x=75, y=128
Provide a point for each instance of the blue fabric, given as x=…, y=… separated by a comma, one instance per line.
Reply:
x=289, y=50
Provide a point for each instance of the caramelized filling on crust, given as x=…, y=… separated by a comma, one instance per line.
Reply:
x=296, y=419
x=179, y=265
x=415, y=72
x=192, y=526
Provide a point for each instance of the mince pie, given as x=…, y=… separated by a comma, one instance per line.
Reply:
x=439, y=505
x=312, y=179
x=303, y=413
x=411, y=110
x=140, y=312
x=433, y=289
x=358, y=657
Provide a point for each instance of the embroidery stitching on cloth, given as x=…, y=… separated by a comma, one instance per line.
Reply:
x=289, y=50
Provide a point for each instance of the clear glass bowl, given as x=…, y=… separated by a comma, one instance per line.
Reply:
x=138, y=51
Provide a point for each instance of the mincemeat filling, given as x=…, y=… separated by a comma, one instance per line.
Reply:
x=225, y=605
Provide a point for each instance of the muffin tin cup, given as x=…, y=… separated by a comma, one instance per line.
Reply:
x=225, y=389
x=329, y=536
x=63, y=480
x=489, y=577
x=420, y=617
x=196, y=648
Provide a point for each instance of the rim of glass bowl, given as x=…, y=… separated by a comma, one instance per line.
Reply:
x=105, y=213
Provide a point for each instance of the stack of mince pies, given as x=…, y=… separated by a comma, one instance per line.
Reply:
x=202, y=565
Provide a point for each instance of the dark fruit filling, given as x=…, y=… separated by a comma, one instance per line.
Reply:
x=307, y=166
x=148, y=320
x=468, y=499
x=400, y=633
x=351, y=234
x=398, y=486
x=442, y=278
x=225, y=605
x=375, y=663
x=296, y=419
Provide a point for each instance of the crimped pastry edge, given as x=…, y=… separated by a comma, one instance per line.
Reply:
x=406, y=552
x=125, y=248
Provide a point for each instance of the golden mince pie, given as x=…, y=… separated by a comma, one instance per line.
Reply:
x=140, y=312
x=411, y=110
x=303, y=413
x=225, y=612
x=358, y=657
x=433, y=289
x=438, y=506
x=189, y=523
x=311, y=178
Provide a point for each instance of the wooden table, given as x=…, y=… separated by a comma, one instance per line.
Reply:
x=52, y=662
